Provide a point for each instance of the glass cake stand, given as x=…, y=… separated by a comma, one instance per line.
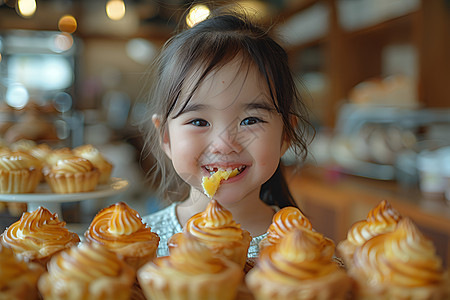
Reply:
x=43, y=196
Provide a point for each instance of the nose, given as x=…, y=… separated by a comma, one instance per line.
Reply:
x=226, y=141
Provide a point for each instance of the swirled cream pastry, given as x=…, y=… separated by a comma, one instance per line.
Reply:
x=87, y=271
x=120, y=229
x=19, y=173
x=190, y=272
x=283, y=222
x=58, y=154
x=382, y=218
x=71, y=175
x=18, y=280
x=299, y=267
x=216, y=229
x=96, y=157
x=38, y=235
x=401, y=264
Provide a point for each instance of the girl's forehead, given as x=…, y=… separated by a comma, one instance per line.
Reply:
x=234, y=80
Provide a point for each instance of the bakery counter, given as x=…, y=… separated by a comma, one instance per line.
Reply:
x=334, y=201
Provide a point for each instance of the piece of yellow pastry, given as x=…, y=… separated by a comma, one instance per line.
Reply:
x=190, y=272
x=216, y=229
x=96, y=157
x=71, y=175
x=382, y=218
x=18, y=279
x=299, y=267
x=19, y=173
x=38, y=235
x=120, y=229
x=87, y=272
x=401, y=264
x=283, y=222
x=211, y=184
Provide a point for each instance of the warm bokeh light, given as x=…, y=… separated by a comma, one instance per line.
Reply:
x=254, y=9
x=0, y=57
x=26, y=8
x=62, y=42
x=197, y=14
x=115, y=9
x=67, y=24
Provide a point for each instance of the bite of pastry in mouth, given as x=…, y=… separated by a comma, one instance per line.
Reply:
x=211, y=183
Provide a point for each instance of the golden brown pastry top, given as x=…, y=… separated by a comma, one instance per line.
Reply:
x=72, y=164
x=215, y=224
x=38, y=234
x=23, y=145
x=41, y=152
x=403, y=257
x=10, y=266
x=383, y=218
x=91, y=153
x=284, y=221
x=117, y=226
x=301, y=254
x=18, y=160
x=85, y=263
x=191, y=257
x=58, y=154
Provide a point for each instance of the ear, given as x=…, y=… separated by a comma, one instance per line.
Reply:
x=164, y=138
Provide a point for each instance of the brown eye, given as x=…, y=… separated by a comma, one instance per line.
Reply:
x=251, y=121
x=199, y=123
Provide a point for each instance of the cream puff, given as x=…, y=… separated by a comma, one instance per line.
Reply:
x=38, y=235
x=381, y=219
x=87, y=271
x=119, y=228
x=190, y=272
x=18, y=279
x=299, y=267
x=400, y=264
x=216, y=229
x=98, y=159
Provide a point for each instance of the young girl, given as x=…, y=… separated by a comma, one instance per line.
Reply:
x=224, y=98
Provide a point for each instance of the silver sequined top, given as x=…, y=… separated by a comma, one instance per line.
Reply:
x=165, y=223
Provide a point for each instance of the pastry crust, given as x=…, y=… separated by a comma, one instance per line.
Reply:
x=92, y=154
x=120, y=229
x=88, y=272
x=72, y=174
x=191, y=272
x=285, y=220
x=38, y=235
x=299, y=267
x=216, y=229
x=381, y=219
x=18, y=280
x=401, y=264
x=19, y=173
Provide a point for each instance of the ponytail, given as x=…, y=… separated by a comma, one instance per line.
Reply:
x=275, y=191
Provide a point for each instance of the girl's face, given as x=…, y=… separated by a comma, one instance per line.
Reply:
x=230, y=122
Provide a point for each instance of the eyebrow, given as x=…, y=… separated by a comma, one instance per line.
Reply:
x=259, y=105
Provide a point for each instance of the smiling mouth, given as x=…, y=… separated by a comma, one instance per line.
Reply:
x=213, y=169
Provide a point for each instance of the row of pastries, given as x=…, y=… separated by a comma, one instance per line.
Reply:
x=385, y=256
x=24, y=164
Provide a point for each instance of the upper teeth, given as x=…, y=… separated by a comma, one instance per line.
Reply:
x=212, y=169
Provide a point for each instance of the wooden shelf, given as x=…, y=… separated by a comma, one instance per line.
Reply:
x=353, y=56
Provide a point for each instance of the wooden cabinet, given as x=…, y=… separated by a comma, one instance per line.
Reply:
x=333, y=202
x=350, y=56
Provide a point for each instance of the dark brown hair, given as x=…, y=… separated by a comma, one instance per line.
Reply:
x=204, y=48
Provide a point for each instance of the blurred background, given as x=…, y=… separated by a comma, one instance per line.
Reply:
x=377, y=78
